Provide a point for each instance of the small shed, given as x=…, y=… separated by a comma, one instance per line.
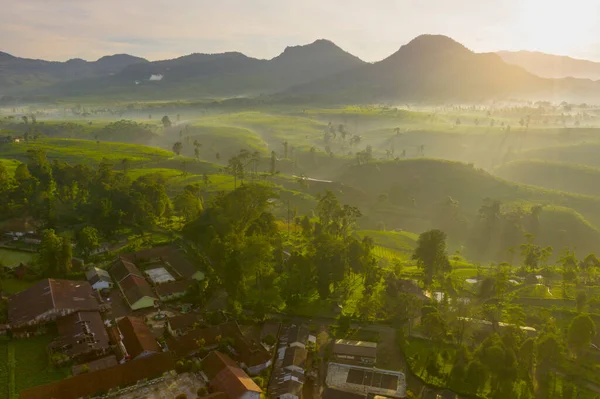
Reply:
x=99, y=279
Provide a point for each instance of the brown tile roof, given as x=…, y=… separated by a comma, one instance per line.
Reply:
x=226, y=376
x=50, y=294
x=135, y=288
x=169, y=254
x=90, y=384
x=188, y=344
x=215, y=362
x=295, y=356
x=80, y=333
x=355, y=348
x=247, y=352
x=173, y=287
x=184, y=321
x=122, y=268
x=137, y=337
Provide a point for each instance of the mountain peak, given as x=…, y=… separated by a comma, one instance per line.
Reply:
x=119, y=57
x=5, y=55
x=316, y=46
x=435, y=43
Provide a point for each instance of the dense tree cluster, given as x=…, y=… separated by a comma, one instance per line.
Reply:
x=249, y=254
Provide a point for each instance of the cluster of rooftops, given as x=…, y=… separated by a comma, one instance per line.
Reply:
x=111, y=353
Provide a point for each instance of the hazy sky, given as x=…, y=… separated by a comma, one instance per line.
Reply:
x=158, y=29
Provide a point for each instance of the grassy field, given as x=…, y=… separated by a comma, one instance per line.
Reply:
x=5, y=370
x=32, y=365
x=84, y=151
x=13, y=285
x=402, y=241
x=10, y=165
x=9, y=257
x=562, y=176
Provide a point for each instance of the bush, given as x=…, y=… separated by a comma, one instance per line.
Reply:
x=269, y=339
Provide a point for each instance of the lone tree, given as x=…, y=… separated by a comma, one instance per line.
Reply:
x=581, y=332
x=177, y=147
x=166, y=121
x=431, y=255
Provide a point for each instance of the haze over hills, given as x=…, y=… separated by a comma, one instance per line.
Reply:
x=24, y=73
x=552, y=66
x=434, y=67
x=224, y=74
x=430, y=67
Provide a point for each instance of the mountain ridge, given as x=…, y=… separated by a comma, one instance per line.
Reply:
x=552, y=66
x=429, y=67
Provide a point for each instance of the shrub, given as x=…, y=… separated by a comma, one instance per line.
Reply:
x=269, y=340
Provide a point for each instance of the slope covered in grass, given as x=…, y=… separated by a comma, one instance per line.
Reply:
x=553, y=175
x=398, y=240
x=84, y=151
x=582, y=154
x=413, y=195
x=225, y=140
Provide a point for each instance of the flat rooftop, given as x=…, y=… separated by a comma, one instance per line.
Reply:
x=159, y=275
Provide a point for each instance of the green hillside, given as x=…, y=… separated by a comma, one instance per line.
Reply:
x=553, y=175
x=415, y=195
x=582, y=154
x=84, y=151
x=225, y=140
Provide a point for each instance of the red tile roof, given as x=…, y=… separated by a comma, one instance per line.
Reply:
x=215, y=362
x=135, y=288
x=137, y=337
x=122, y=268
x=63, y=296
x=169, y=254
x=90, y=384
x=226, y=376
x=173, y=288
x=80, y=333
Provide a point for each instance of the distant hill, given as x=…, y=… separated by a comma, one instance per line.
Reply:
x=552, y=66
x=433, y=67
x=580, y=154
x=420, y=187
x=23, y=73
x=429, y=68
x=553, y=175
x=225, y=74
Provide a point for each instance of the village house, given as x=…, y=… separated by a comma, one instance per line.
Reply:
x=173, y=289
x=251, y=355
x=295, y=359
x=354, y=352
x=99, y=279
x=49, y=299
x=299, y=336
x=366, y=380
x=169, y=256
x=95, y=382
x=81, y=336
x=226, y=376
x=181, y=324
x=136, y=338
x=289, y=386
x=132, y=284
